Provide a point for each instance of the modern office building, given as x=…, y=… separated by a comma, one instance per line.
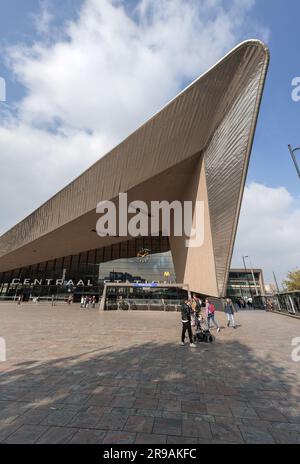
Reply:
x=245, y=283
x=195, y=149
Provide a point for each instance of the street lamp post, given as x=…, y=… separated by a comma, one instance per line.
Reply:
x=252, y=272
x=247, y=275
x=292, y=152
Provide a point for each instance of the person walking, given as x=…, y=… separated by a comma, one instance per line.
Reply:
x=197, y=306
x=210, y=314
x=186, y=323
x=229, y=311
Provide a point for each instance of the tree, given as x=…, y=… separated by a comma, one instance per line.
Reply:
x=292, y=281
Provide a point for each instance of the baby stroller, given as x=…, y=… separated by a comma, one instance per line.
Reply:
x=202, y=332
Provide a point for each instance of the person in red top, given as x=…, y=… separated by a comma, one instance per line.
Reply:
x=210, y=314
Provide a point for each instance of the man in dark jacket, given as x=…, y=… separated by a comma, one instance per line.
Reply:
x=186, y=323
x=229, y=311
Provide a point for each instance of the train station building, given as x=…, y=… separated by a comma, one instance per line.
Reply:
x=195, y=149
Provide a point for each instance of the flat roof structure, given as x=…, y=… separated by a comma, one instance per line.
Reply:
x=196, y=148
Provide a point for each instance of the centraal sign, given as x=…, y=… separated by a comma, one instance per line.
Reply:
x=72, y=283
x=57, y=282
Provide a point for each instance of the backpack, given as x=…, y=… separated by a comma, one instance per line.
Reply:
x=211, y=310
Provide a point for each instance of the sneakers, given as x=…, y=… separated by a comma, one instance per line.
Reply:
x=228, y=323
x=193, y=345
x=218, y=329
x=182, y=343
x=234, y=326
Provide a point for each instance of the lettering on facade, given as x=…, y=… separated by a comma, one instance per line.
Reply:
x=71, y=283
x=48, y=282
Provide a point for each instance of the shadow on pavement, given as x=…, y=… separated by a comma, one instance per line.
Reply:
x=152, y=393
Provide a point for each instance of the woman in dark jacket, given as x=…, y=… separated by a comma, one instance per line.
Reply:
x=186, y=323
x=229, y=311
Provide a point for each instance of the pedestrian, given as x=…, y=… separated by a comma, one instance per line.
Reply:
x=269, y=306
x=82, y=302
x=93, y=301
x=19, y=300
x=210, y=314
x=186, y=323
x=229, y=311
x=197, y=309
x=193, y=311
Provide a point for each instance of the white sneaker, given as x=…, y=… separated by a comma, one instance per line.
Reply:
x=218, y=329
x=193, y=345
x=182, y=343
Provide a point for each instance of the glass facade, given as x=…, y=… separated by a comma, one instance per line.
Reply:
x=144, y=259
x=283, y=302
x=241, y=284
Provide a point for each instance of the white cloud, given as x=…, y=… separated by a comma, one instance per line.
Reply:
x=93, y=81
x=43, y=20
x=268, y=230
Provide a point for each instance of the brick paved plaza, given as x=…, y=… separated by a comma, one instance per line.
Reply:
x=75, y=376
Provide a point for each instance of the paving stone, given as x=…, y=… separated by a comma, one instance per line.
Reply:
x=56, y=435
x=100, y=400
x=150, y=438
x=8, y=428
x=270, y=414
x=146, y=403
x=167, y=426
x=196, y=428
x=169, y=405
x=194, y=407
x=60, y=417
x=123, y=401
x=258, y=424
x=76, y=398
x=86, y=419
x=286, y=437
x=243, y=411
x=26, y=434
x=139, y=424
x=180, y=440
x=217, y=409
x=226, y=432
x=255, y=436
x=119, y=438
x=87, y=436
x=111, y=422
x=35, y=416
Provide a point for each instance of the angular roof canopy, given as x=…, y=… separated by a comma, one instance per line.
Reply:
x=196, y=147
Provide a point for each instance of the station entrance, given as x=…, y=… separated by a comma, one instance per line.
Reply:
x=143, y=296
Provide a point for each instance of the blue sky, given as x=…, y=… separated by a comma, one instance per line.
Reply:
x=280, y=116
x=278, y=124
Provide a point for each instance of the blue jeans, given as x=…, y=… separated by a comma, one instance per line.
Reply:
x=212, y=319
x=230, y=318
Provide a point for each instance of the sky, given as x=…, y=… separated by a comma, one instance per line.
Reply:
x=81, y=75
